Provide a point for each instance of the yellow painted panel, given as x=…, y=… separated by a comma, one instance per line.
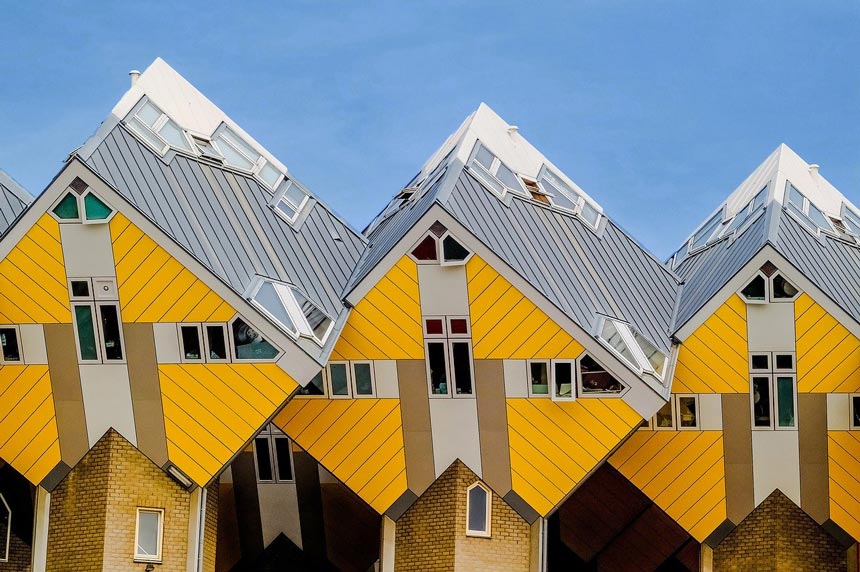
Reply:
x=154, y=286
x=360, y=441
x=828, y=355
x=386, y=323
x=29, y=439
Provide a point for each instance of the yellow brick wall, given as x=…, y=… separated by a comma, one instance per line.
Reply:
x=20, y=555
x=431, y=536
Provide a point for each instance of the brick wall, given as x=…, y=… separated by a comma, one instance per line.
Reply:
x=431, y=536
x=20, y=555
x=93, y=512
x=779, y=537
x=210, y=535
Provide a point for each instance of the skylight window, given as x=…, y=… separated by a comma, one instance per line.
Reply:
x=498, y=177
x=851, y=220
x=809, y=214
x=748, y=211
x=632, y=347
x=157, y=129
x=292, y=310
x=290, y=200
x=704, y=234
x=562, y=196
x=239, y=154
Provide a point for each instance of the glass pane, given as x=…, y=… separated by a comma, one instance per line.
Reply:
x=264, y=459
x=241, y=144
x=269, y=175
x=477, y=509
x=459, y=326
x=564, y=380
x=434, y=327
x=484, y=157
x=267, y=297
x=782, y=289
x=438, y=373
x=339, y=379
x=138, y=127
x=755, y=290
x=314, y=387
x=86, y=332
x=559, y=198
x=795, y=198
x=508, y=179
x=294, y=195
x=363, y=379
x=190, y=342
x=452, y=250
x=819, y=217
x=110, y=332
x=758, y=200
x=249, y=344
x=595, y=379
x=174, y=136
x=701, y=237
x=851, y=221
x=149, y=114
x=590, y=214
x=855, y=411
x=656, y=358
x=663, y=418
x=785, y=401
x=761, y=402
x=282, y=454
x=11, y=352
x=489, y=180
x=147, y=533
x=217, y=342
x=67, y=209
x=462, y=358
x=95, y=209
x=426, y=249
x=784, y=361
x=761, y=362
x=539, y=377
x=612, y=336
x=287, y=210
x=687, y=412
x=318, y=321
x=80, y=288
x=231, y=155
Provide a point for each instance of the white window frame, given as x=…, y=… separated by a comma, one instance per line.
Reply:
x=146, y=557
x=92, y=306
x=804, y=209
x=625, y=331
x=580, y=200
x=156, y=128
x=448, y=378
x=847, y=213
x=549, y=378
x=5, y=558
x=280, y=196
x=489, y=511
x=450, y=355
x=21, y=355
x=653, y=422
x=438, y=244
x=851, y=425
x=206, y=350
x=792, y=369
x=573, y=375
x=769, y=368
x=284, y=291
x=349, y=383
x=230, y=339
x=449, y=332
x=440, y=249
x=482, y=172
x=271, y=433
x=353, y=383
x=766, y=289
x=579, y=380
x=771, y=290
x=429, y=336
x=774, y=402
x=677, y=411
x=257, y=163
x=56, y=203
x=200, y=341
x=82, y=209
x=719, y=216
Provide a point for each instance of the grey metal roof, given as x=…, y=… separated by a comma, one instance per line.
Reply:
x=222, y=217
x=13, y=200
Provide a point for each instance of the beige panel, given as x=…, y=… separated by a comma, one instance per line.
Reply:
x=385, y=372
x=838, y=412
x=33, y=344
x=454, y=424
x=442, y=290
x=770, y=327
x=814, y=480
x=737, y=442
x=87, y=250
x=493, y=425
x=166, y=342
x=711, y=412
x=145, y=391
x=417, y=437
x=62, y=356
x=389, y=530
x=279, y=512
x=516, y=378
x=107, y=401
x=776, y=464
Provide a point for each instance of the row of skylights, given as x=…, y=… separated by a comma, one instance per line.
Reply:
x=797, y=203
x=548, y=189
x=632, y=347
x=225, y=147
x=291, y=309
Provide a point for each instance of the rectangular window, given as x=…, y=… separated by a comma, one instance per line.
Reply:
x=273, y=456
x=437, y=367
x=216, y=342
x=189, y=338
x=761, y=402
x=461, y=359
x=855, y=411
x=97, y=323
x=563, y=374
x=448, y=348
x=687, y=410
x=283, y=458
x=148, y=535
x=86, y=330
x=478, y=510
x=10, y=344
x=263, y=457
x=538, y=378
x=362, y=376
x=786, y=404
x=665, y=417
x=110, y=331
x=338, y=374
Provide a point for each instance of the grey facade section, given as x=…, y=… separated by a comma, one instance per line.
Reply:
x=223, y=218
x=13, y=200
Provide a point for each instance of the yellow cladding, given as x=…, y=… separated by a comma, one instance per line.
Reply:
x=360, y=441
x=843, y=451
x=33, y=287
x=683, y=472
x=828, y=355
x=28, y=426
x=554, y=444
x=154, y=286
x=212, y=410
x=506, y=324
x=715, y=358
x=386, y=323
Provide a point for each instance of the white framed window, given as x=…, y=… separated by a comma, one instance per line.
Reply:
x=855, y=411
x=191, y=343
x=363, y=380
x=85, y=207
x=711, y=228
x=157, y=129
x=664, y=419
x=246, y=343
x=340, y=379
x=781, y=290
x=10, y=343
x=540, y=377
x=5, y=529
x=593, y=380
x=798, y=204
x=239, y=154
x=291, y=309
x=773, y=401
x=448, y=351
x=851, y=220
x=687, y=411
x=756, y=290
x=316, y=387
x=289, y=200
x=746, y=213
x=453, y=251
x=437, y=367
x=478, y=510
x=216, y=345
x=497, y=176
x=632, y=347
x=426, y=250
x=148, y=534
x=273, y=456
x=563, y=379
x=563, y=196
x=444, y=250
x=96, y=319
x=203, y=342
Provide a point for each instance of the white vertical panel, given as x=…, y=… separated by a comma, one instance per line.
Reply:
x=454, y=426
x=776, y=464
x=107, y=401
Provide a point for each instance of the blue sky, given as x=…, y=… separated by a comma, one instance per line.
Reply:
x=657, y=109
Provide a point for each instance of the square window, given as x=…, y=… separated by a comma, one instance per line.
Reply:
x=760, y=362
x=80, y=288
x=148, y=535
x=539, y=378
x=784, y=362
x=434, y=327
x=459, y=326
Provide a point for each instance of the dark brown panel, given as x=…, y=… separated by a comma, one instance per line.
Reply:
x=310, y=506
x=145, y=391
x=66, y=386
x=737, y=443
x=493, y=425
x=247, y=505
x=812, y=434
x=415, y=412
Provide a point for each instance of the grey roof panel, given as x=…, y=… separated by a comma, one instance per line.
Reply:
x=13, y=200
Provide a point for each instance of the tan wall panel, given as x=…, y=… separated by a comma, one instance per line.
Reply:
x=145, y=391
x=417, y=437
x=68, y=397
x=737, y=440
x=814, y=480
x=493, y=425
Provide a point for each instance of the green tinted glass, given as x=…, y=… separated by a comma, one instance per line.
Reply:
x=67, y=208
x=785, y=401
x=86, y=332
x=95, y=209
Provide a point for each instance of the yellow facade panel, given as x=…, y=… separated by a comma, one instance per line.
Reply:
x=828, y=355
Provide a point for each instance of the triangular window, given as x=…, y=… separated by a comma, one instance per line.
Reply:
x=95, y=209
x=595, y=380
x=756, y=290
x=67, y=208
x=782, y=289
x=453, y=252
x=248, y=344
x=426, y=250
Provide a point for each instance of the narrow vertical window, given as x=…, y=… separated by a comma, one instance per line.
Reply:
x=283, y=459
x=539, y=378
x=761, y=401
x=148, y=536
x=5, y=529
x=665, y=418
x=191, y=346
x=785, y=401
x=362, y=374
x=263, y=457
x=10, y=345
x=438, y=368
x=339, y=376
x=461, y=357
x=688, y=415
x=563, y=379
x=111, y=335
x=478, y=511
x=216, y=343
x=85, y=327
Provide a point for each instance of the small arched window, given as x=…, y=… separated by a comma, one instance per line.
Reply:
x=478, y=503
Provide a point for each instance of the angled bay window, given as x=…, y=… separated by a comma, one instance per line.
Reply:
x=747, y=212
x=495, y=174
x=594, y=380
x=239, y=154
x=289, y=200
x=564, y=197
x=632, y=347
x=157, y=129
x=248, y=344
x=707, y=230
x=291, y=309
